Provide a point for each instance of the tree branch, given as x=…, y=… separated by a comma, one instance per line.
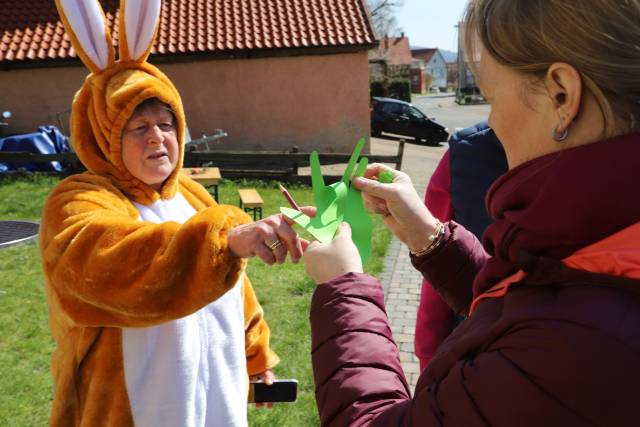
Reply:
x=384, y=4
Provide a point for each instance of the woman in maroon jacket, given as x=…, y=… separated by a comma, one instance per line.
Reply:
x=553, y=297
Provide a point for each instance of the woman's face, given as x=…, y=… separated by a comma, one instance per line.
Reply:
x=150, y=145
x=522, y=114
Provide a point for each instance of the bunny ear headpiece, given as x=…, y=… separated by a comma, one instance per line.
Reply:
x=139, y=24
x=86, y=26
x=113, y=90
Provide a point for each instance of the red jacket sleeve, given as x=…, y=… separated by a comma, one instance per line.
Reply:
x=452, y=267
x=356, y=366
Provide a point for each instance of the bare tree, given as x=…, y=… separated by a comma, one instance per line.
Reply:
x=383, y=16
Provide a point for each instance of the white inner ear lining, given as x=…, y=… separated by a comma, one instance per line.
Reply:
x=87, y=23
x=141, y=18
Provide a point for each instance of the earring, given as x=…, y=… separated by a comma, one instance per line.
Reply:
x=559, y=136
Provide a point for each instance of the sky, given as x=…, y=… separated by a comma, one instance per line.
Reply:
x=430, y=23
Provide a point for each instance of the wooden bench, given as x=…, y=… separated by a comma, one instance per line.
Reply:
x=281, y=166
x=268, y=165
x=251, y=201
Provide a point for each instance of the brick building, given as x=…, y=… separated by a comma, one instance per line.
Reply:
x=272, y=73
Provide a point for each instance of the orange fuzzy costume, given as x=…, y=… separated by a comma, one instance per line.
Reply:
x=107, y=270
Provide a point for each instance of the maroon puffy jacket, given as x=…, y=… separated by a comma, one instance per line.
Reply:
x=562, y=348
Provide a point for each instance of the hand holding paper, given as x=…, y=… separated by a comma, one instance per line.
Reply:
x=336, y=203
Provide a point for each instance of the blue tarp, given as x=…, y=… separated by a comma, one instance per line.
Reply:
x=47, y=140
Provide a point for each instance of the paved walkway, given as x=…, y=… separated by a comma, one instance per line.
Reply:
x=401, y=282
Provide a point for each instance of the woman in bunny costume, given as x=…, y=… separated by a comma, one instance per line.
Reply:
x=155, y=321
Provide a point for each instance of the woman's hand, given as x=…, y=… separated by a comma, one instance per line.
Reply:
x=325, y=262
x=270, y=238
x=266, y=377
x=404, y=212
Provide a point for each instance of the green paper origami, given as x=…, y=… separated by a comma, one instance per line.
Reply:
x=385, y=177
x=336, y=203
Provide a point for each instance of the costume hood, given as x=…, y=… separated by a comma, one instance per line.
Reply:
x=113, y=89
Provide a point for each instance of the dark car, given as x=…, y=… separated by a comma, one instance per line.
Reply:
x=401, y=118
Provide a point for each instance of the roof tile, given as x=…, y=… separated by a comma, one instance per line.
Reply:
x=424, y=54
x=32, y=30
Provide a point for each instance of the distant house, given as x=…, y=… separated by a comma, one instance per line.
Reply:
x=435, y=65
x=272, y=74
x=418, y=81
x=392, y=58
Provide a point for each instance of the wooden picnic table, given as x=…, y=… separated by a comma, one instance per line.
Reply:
x=208, y=177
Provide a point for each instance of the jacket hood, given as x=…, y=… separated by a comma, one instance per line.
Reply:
x=557, y=204
x=616, y=255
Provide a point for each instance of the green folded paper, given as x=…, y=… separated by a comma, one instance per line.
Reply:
x=385, y=177
x=336, y=203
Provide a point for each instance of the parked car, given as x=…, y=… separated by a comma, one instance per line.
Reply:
x=401, y=118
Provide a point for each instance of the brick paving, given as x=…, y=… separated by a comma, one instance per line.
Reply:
x=401, y=282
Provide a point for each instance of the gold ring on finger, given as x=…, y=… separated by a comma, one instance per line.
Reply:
x=275, y=245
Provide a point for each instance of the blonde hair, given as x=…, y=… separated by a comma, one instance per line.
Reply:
x=599, y=38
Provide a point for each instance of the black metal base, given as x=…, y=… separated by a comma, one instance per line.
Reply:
x=256, y=212
x=17, y=232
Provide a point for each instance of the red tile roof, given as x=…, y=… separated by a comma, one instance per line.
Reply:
x=424, y=54
x=30, y=30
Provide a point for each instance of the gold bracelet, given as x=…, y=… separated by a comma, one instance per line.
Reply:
x=434, y=241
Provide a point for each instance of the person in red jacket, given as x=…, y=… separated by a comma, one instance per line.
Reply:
x=435, y=320
x=457, y=191
x=553, y=292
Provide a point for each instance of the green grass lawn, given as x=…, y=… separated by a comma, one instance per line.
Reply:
x=26, y=345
